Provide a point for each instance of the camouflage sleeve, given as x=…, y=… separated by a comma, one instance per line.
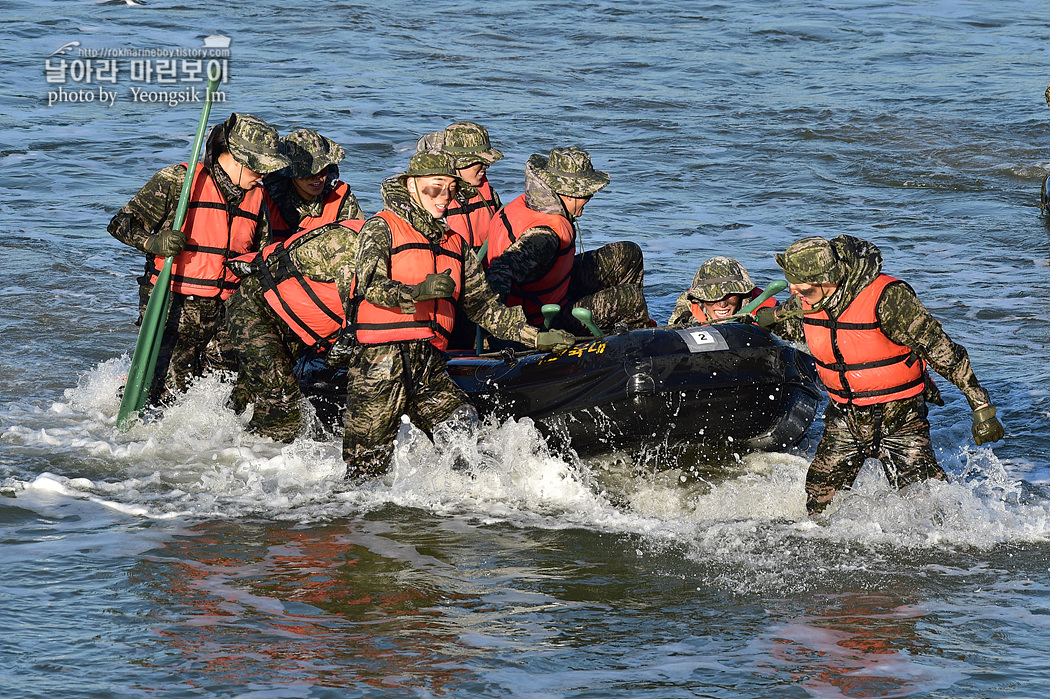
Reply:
x=263, y=232
x=790, y=328
x=330, y=257
x=372, y=269
x=151, y=209
x=682, y=312
x=350, y=209
x=906, y=321
x=128, y=230
x=526, y=260
x=483, y=307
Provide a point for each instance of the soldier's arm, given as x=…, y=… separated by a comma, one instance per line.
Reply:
x=906, y=321
x=372, y=269
x=263, y=232
x=791, y=327
x=682, y=312
x=330, y=257
x=150, y=210
x=483, y=307
x=526, y=260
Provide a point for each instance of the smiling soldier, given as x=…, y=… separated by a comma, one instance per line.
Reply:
x=402, y=312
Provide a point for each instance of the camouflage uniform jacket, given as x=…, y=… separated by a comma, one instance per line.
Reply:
x=153, y=207
x=683, y=311
x=326, y=254
x=467, y=191
x=529, y=257
x=902, y=317
x=476, y=298
x=683, y=307
x=294, y=208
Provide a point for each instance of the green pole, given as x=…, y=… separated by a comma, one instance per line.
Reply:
x=147, y=347
x=774, y=288
x=479, y=341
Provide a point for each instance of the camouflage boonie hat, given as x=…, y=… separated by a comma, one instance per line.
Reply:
x=431, y=163
x=469, y=144
x=430, y=141
x=309, y=153
x=569, y=171
x=719, y=277
x=253, y=143
x=811, y=261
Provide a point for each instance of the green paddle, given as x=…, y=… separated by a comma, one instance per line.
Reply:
x=147, y=347
x=584, y=316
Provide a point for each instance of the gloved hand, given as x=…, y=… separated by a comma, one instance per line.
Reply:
x=165, y=242
x=765, y=316
x=554, y=340
x=986, y=427
x=435, y=286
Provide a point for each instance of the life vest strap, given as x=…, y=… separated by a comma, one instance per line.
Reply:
x=850, y=396
x=207, y=205
x=838, y=325
x=908, y=359
x=193, y=247
x=435, y=249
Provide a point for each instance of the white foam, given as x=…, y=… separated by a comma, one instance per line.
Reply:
x=196, y=459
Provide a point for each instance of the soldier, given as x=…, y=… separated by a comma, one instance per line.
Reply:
x=872, y=339
x=289, y=302
x=226, y=217
x=532, y=242
x=470, y=213
x=718, y=291
x=402, y=311
x=308, y=193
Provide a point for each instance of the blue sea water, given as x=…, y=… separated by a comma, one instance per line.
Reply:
x=189, y=558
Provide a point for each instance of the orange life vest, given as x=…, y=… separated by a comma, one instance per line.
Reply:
x=332, y=203
x=511, y=221
x=412, y=258
x=471, y=218
x=311, y=308
x=215, y=232
x=698, y=309
x=856, y=361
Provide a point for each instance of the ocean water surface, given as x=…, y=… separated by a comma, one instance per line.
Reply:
x=190, y=558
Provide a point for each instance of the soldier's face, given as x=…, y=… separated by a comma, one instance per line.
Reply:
x=724, y=307
x=237, y=172
x=812, y=293
x=472, y=175
x=433, y=193
x=574, y=205
x=312, y=186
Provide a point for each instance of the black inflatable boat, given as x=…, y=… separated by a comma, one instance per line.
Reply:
x=724, y=387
